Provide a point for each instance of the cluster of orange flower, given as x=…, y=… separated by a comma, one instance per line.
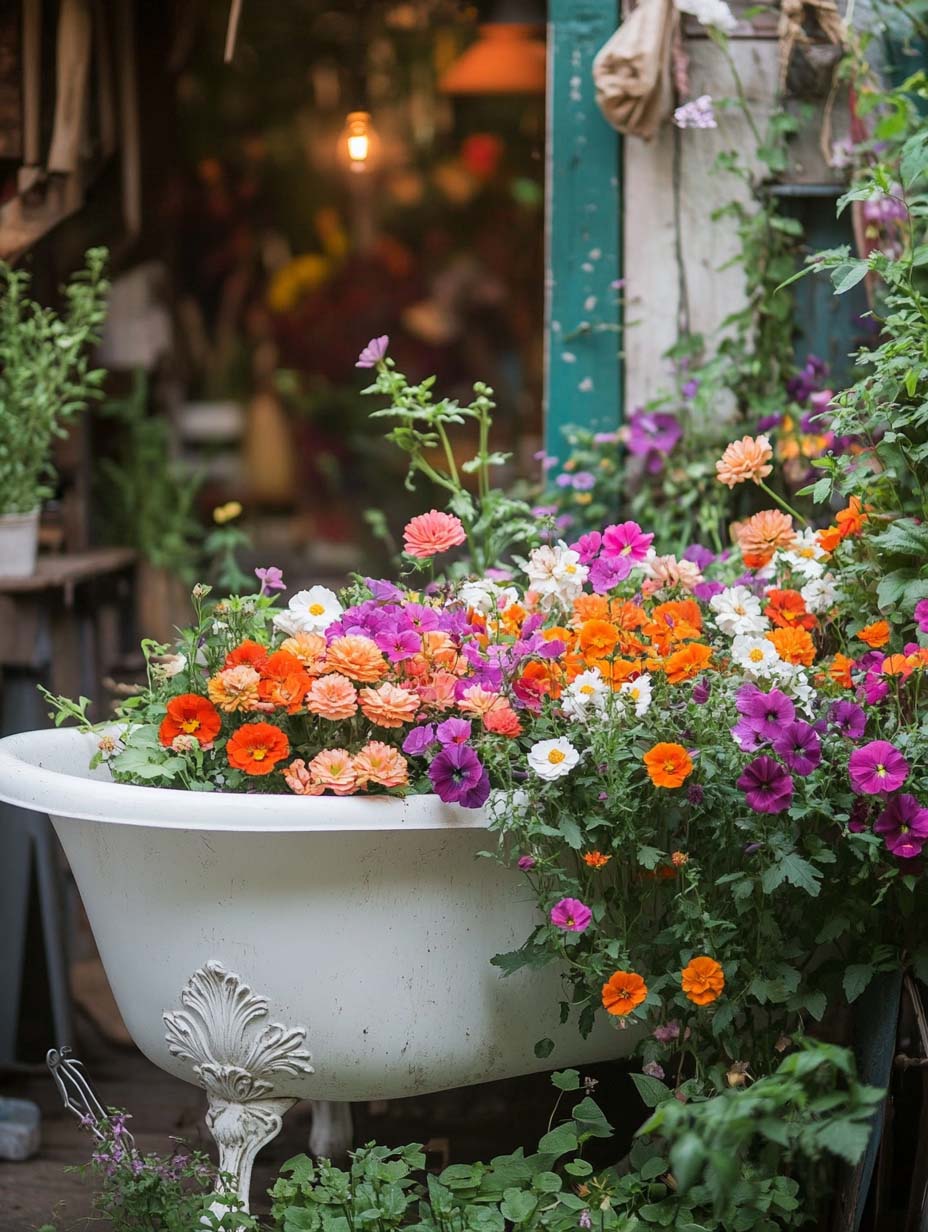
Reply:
x=702, y=981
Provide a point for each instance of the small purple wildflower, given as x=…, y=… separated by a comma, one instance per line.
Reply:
x=374, y=352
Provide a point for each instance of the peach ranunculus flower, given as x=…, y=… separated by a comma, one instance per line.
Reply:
x=437, y=690
x=310, y=649
x=332, y=697
x=765, y=533
x=703, y=980
x=299, y=780
x=502, y=720
x=431, y=533
x=478, y=701
x=389, y=706
x=668, y=572
x=357, y=657
x=746, y=459
x=382, y=765
x=334, y=769
x=234, y=688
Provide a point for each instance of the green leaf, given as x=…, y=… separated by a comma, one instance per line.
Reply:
x=590, y=1119
x=649, y=857
x=559, y=1141
x=651, y=1090
x=517, y=1206
x=566, y=1080
x=687, y=1156
x=845, y=1138
x=547, y=1182
x=846, y=276
x=856, y=979
x=578, y=1167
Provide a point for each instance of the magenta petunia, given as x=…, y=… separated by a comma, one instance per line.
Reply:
x=627, y=545
x=455, y=773
x=799, y=745
x=374, y=352
x=587, y=546
x=849, y=719
x=571, y=915
x=526, y=863
x=766, y=713
x=453, y=731
x=877, y=766
x=921, y=615
x=904, y=826
x=767, y=787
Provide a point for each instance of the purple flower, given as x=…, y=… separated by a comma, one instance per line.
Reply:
x=588, y=546
x=653, y=1069
x=453, y=731
x=877, y=766
x=697, y=113
x=270, y=578
x=628, y=543
x=606, y=573
x=374, y=352
x=398, y=645
x=849, y=719
x=699, y=555
x=585, y=1220
x=455, y=772
x=921, y=615
x=704, y=591
x=606, y=438
x=571, y=915
x=767, y=787
x=799, y=746
x=652, y=433
x=476, y=796
x=859, y=819
x=419, y=739
x=874, y=688
x=904, y=826
x=383, y=590
x=765, y=712
x=695, y=793
x=702, y=690
x=526, y=863
x=564, y=480
x=746, y=736
x=667, y=1033
x=584, y=481
x=690, y=388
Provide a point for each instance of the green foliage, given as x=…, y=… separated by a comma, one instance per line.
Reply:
x=45, y=375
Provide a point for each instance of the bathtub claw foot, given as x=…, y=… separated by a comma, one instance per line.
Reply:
x=241, y=1064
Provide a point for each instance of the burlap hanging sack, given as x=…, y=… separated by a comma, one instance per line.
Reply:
x=632, y=71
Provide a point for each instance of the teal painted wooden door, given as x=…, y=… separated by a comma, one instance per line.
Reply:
x=583, y=374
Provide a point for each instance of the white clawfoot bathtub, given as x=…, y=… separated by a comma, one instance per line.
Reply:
x=272, y=948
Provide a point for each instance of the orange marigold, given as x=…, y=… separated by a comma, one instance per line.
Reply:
x=190, y=715
x=765, y=533
x=703, y=980
x=787, y=609
x=382, y=765
x=256, y=748
x=668, y=765
x=234, y=688
x=676, y=621
x=687, y=662
x=357, y=657
x=875, y=635
x=622, y=992
x=747, y=459
x=793, y=645
x=389, y=705
x=840, y=671
x=332, y=697
x=285, y=682
x=595, y=859
x=248, y=653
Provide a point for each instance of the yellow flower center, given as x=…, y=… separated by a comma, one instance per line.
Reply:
x=556, y=756
x=881, y=770
x=258, y=754
x=634, y=694
x=587, y=689
x=756, y=655
x=316, y=609
x=570, y=569
x=669, y=767
x=190, y=725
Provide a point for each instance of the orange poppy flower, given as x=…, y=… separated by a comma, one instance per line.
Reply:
x=622, y=992
x=850, y=521
x=247, y=654
x=875, y=635
x=285, y=681
x=840, y=671
x=793, y=645
x=598, y=638
x=190, y=715
x=539, y=680
x=668, y=765
x=676, y=621
x=898, y=665
x=756, y=560
x=616, y=671
x=787, y=609
x=703, y=980
x=687, y=662
x=829, y=538
x=256, y=748
x=595, y=859
x=591, y=607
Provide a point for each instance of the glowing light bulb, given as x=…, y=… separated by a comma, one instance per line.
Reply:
x=358, y=140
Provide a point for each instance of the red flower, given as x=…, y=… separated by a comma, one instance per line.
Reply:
x=247, y=654
x=787, y=609
x=190, y=715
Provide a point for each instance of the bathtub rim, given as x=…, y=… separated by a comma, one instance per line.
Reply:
x=28, y=780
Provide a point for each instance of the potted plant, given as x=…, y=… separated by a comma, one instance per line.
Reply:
x=45, y=380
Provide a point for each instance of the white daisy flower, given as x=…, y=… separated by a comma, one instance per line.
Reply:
x=755, y=655
x=556, y=574
x=820, y=594
x=552, y=759
x=309, y=611
x=585, y=693
x=487, y=596
x=738, y=611
x=638, y=692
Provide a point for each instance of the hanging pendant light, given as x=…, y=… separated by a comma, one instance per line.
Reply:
x=358, y=143
x=508, y=57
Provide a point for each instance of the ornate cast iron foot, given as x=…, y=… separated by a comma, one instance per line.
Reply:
x=235, y=1059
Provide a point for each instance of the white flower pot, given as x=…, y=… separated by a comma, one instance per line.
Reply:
x=361, y=929
x=19, y=541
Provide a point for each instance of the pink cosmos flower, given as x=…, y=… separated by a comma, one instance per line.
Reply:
x=876, y=767
x=431, y=533
x=627, y=542
x=374, y=352
x=571, y=915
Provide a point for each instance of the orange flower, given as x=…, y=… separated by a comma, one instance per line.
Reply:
x=875, y=635
x=382, y=765
x=840, y=671
x=668, y=765
x=793, y=645
x=437, y=690
x=598, y=638
x=250, y=654
x=389, y=706
x=765, y=533
x=190, y=715
x=503, y=721
x=591, y=607
x=234, y=688
x=334, y=769
x=703, y=980
x=310, y=649
x=356, y=657
x=676, y=621
x=829, y=538
x=898, y=665
x=595, y=859
x=746, y=459
x=285, y=682
x=256, y=748
x=539, y=680
x=332, y=697
x=623, y=991
x=850, y=521
x=687, y=662
x=787, y=609
x=679, y=858
x=299, y=780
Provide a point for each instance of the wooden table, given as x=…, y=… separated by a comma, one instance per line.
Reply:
x=61, y=628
